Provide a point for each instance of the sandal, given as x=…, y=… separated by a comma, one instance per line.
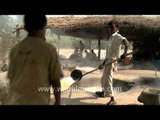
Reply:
x=100, y=94
x=111, y=102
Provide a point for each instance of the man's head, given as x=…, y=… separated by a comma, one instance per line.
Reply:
x=113, y=26
x=92, y=51
x=86, y=51
x=33, y=23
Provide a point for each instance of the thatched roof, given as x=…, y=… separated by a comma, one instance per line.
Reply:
x=96, y=26
x=144, y=30
x=101, y=20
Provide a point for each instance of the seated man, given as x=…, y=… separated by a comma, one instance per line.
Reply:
x=76, y=54
x=88, y=55
x=93, y=55
x=81, y=47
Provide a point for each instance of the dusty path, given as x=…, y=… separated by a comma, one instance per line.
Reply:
x=143, y=75
x=81, y=95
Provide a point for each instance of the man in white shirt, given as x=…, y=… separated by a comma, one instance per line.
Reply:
x=112, y=53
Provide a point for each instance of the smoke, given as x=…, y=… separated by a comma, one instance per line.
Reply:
x=150, y=82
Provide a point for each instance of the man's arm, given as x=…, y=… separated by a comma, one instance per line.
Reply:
x=55, y=74
x=57, y=91
x=103, y=63
x=125, y=42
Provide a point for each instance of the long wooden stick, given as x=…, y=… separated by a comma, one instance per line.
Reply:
x=108, y=63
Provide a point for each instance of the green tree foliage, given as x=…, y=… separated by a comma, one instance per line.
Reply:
x=8, y=23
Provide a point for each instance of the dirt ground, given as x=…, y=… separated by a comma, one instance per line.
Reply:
x=129, y=81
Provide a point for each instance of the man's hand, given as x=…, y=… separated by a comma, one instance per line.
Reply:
x=101, y=66
x=57, y=91
x=123, y=56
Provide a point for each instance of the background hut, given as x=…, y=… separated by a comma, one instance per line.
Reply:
x=143, y=31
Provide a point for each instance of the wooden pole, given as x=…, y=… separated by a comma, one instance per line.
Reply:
x=90, y=44
x=58, y=43
x=99, y=48
x=99, y=44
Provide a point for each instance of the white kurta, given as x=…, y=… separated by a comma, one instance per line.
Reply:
x=112, y=52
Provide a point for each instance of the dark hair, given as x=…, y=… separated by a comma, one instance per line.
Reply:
x=113, y=22
x=35, y=22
